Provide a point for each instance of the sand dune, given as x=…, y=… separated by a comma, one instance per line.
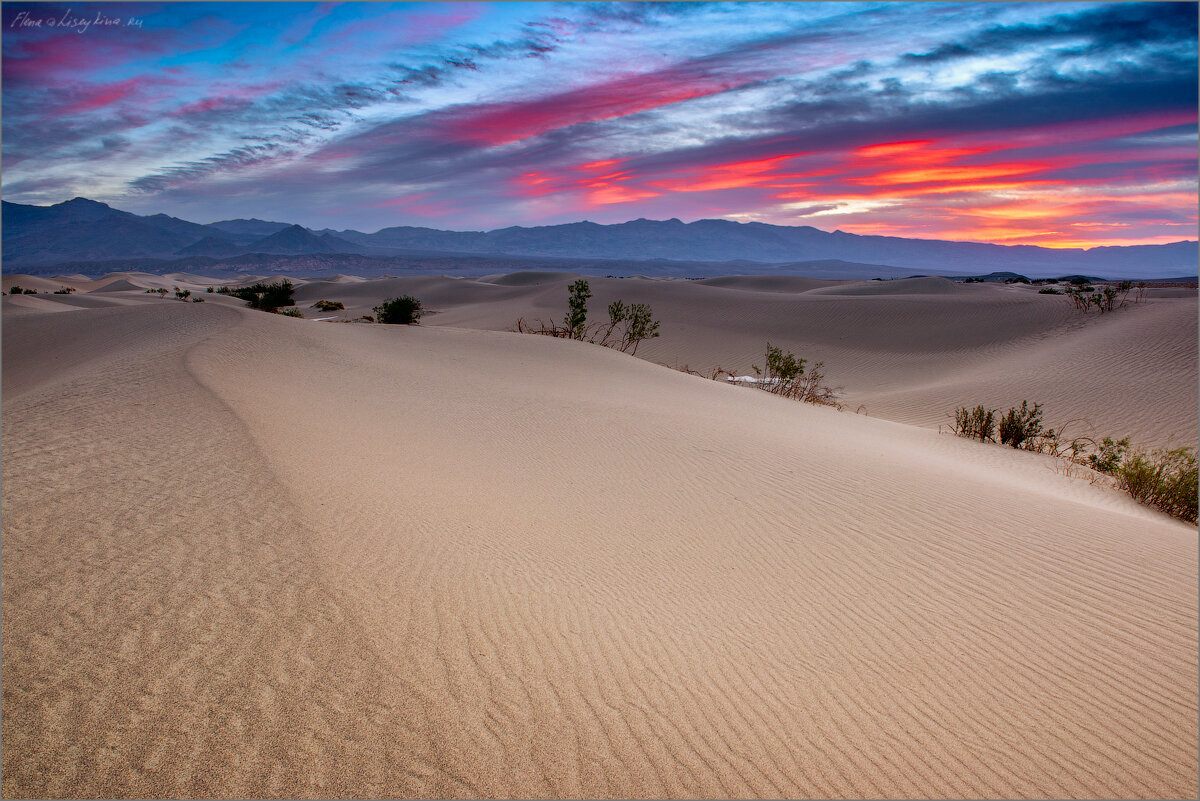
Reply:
x=250, y=555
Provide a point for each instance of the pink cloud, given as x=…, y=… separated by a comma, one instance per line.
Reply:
x=99, y=97
x=502, y=123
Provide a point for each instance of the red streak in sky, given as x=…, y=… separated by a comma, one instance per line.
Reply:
x=502, y=123
x=104, y=96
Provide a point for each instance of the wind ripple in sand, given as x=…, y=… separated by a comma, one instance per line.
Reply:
x=354, y=560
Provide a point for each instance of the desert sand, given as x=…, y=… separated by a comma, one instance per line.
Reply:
x=247, y=555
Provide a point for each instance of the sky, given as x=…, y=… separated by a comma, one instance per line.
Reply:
x=1053, y=124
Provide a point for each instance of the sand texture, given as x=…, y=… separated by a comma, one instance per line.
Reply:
x=246, y=555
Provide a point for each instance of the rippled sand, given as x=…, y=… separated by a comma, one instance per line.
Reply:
x=247, y=555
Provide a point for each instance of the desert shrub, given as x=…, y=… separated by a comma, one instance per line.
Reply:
x=1049, y=291
x=222, y=290
x=16, y=290
x=29, y=292
x=197, y=300
x=978, y=423
x=640, y=325
x=66, y=290
x=404, y=310
x=1020, y=426
x=1107, y=455
x=184, y=295
x=631, y=325
x=292, y=312
x=1165, y=479
x=781, y=367
x=327, y=305
x=367, y=318
x=785, y=375
x=209, y=290
x=267, y=297
x=627, y=325
x=1107, y=298
x=577, y=299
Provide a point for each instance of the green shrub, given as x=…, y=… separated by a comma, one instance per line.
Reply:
x=209, y=290
x=327, y=305
x=1108, y=455
x=1049, y=291
x=267, y=297
x=29, y=292
x=786, y=376
x=404, y=310
x=16, y=290
x=66, y=290
x=633, y=324
x=1019, y=426
x=292, y=312
x=197, y=300
x=977, y=423
x=626, y=328
x=576, y=321
x=1165, y=479
x=781, y=367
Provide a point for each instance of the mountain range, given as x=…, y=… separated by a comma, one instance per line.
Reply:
x=81, y=232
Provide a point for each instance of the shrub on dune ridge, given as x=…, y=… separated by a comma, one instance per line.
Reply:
x=626, y=328
x=1021, y=426
x=978, y=423
x=576, y=321
x=404, y=310
x=327, y=305
x=1165, y=478
x=267, y=297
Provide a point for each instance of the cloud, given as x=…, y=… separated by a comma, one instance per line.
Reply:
x=1111, y=26
x=234, y=160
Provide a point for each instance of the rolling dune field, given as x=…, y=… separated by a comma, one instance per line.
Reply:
x=246, y=555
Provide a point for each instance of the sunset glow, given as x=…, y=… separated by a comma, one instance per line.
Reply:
x=1055, y=124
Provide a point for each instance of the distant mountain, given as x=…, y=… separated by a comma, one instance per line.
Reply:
x=84, y=231
x=297, y=240
x=250, y=228
x=721, y=240
x=211, y=246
